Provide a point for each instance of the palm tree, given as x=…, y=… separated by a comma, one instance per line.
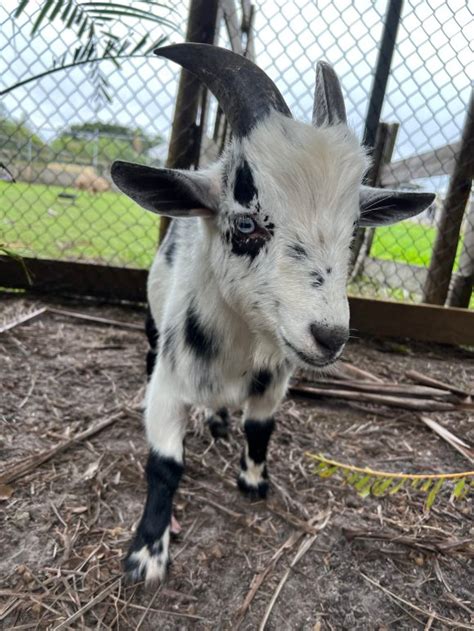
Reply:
x=99, y=38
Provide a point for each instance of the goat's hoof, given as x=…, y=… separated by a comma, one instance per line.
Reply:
x=145, y=562
x=218, y=427
x=258, y=491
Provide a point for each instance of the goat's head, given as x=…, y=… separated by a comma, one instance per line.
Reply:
x=281, y=205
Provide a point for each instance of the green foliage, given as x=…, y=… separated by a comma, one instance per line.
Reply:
x=380, y=483
x=17, y=138
x=101, y=143
x=97, y=26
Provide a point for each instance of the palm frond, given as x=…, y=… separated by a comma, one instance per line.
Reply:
x=368, y=481
x=94, y=23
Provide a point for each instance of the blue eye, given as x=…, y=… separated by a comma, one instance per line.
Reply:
x=246, y=225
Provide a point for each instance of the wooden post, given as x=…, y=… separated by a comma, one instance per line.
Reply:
x=183, y=151
x=461, y=288
x=382, y=154
x=444, y=251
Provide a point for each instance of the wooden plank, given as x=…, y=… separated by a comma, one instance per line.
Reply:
x=438, y=161
x=368, y=316
x=77, y=279
x=426, y=323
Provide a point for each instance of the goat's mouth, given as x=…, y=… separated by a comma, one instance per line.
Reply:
x=309, y=360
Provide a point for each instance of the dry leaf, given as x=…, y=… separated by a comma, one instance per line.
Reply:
x=5, y=492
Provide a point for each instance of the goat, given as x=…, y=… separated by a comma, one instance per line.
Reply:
x=250, y=280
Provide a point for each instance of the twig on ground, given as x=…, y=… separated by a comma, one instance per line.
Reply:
x=466, y=450
x=84, y=316
x=428, y=544
x=403, y=389
x=418, y=377
x=349, y=370
x=22, y=319
x=392, y=401
x=304, y=547
x=261, y=576
x=451, y=623
x=23, y=468
x=94, y=601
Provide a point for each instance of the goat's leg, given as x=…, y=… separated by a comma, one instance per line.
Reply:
x=148, y=555
x=218, y=423
x=258, y=427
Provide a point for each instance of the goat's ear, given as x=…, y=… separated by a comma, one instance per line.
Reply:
x=167, y=191
x=328, y=106
x=382, y=206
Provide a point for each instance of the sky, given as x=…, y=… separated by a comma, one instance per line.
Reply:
x=427, y=91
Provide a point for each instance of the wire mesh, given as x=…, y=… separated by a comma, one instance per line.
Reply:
x=60, y=131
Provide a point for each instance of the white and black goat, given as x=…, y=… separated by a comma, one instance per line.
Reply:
x=251, y=278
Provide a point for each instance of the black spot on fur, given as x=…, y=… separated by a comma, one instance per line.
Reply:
x=258, y=436
x=153, y=338
x=250, y=244
x=244, y=187
x=170, y=252
x=163, y=475
x=198, y=337
x=297, y=251
x=260, y=382
x=328, y=270
x=317, y=279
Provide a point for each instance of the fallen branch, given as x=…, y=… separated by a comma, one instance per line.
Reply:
x=451, y=623
x=424, y=405
x=23, y=468
x=22, y=319
x=418, y=377
x=466, y=450
x=378, y=388
x=89, y=318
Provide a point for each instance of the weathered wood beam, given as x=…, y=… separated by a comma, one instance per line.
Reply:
x=368, y=316
x=449, y=227
x=183, y=151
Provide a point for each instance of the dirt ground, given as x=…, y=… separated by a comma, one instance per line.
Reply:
x=373, y=563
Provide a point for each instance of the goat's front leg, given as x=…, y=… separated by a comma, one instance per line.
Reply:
x=165, y=420
x=267, y=390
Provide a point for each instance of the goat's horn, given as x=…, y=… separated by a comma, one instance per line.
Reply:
x=245, y=93
x=329, y=108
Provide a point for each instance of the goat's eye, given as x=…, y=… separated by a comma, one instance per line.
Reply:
x=245, y=225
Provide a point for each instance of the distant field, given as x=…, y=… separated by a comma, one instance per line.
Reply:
x=107, y=228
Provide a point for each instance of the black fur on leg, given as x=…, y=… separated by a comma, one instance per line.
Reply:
x=253, y=476
x=147, y=557
x=153, y=339
x=219, y=424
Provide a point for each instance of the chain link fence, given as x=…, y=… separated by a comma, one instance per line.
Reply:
x=61, y=130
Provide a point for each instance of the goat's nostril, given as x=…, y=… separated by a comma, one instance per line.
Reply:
x=330, y=339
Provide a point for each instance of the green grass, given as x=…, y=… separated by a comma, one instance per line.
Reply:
x=109, y=228
x=103, y=228
x=406, y=242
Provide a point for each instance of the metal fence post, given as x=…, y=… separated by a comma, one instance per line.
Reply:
x=377, y=95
